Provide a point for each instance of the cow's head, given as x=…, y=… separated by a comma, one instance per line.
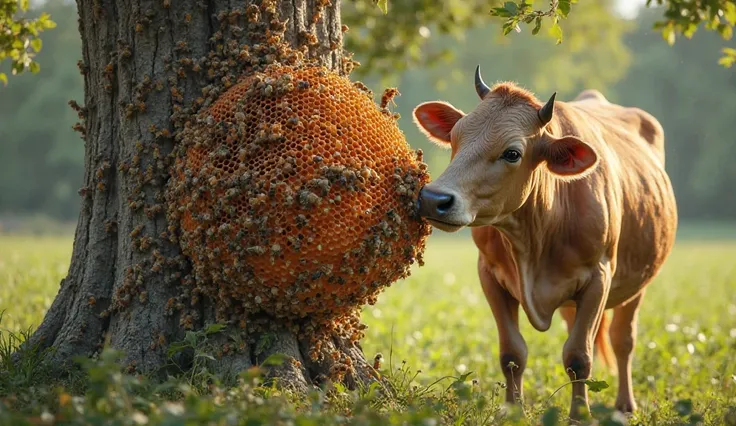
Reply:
x=496, y=153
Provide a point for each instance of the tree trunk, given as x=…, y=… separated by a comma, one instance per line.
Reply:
x=142, y=81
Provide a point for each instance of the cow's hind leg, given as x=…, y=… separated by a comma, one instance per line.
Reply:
x=513, y=351
x=577, y=354
x=623, y=339
x=568, y=314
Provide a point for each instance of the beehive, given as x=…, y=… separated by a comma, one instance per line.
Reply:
x=296, y=195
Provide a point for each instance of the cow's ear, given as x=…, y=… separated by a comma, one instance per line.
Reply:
x=567, y=157
x=436, y=120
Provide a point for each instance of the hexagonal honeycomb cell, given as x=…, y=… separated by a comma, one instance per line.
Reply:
x=296, y=195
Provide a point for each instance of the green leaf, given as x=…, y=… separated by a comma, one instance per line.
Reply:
x=696, y=419
x=45, y=21
x=383, y=5
x=176, y=347
x=690, y=30
x=683, y=407
x=464, y=377
x=668, y=33
x=601, y=411
x=214, y=328
x=17, y=68
x=510, y=7
x=564, y=8
x=537, y=26
x=556, y=32
x=509, y=26
x=596, y=386
x=205, y=356
x=726, y=31
x=727, y=61
x=34, y=67
x=24, y=5
x=36, y=44
x=275, y=359
x=551, y=416
x=4, y=78
x=501, y=12
x=729, y=12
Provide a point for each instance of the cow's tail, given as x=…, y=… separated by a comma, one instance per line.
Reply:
x=603, y=345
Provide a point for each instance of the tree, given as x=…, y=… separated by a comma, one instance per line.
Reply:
x=147, y=68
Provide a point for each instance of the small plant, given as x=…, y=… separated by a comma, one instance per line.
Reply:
x=196, y=344
x=20, y=364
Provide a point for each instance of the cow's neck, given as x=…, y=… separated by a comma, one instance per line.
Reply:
x=533, y=223
x=537, y=233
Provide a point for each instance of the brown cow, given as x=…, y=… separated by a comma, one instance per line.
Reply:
x=571, y=208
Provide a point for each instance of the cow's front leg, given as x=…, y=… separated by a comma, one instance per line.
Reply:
x=513, y=351
x=577, y=354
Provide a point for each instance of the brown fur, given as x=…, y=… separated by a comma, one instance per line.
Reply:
x=582, y=223
x=509, y=94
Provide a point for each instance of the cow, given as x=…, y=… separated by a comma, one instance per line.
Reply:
x=570, y=208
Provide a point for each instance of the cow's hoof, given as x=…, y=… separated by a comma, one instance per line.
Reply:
x=626, y=406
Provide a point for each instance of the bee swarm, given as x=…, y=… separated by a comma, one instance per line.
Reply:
x=296, y=196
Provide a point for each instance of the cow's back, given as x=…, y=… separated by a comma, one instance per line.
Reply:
x=619, y=118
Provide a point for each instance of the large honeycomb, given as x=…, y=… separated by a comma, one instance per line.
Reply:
x=296, y=195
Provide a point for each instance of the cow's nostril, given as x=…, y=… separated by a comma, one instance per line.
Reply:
x=444, y=203
x=435, y=204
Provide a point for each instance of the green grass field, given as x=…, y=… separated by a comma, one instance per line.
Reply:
x=438, y=322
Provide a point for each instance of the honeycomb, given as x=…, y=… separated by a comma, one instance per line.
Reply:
x=296, y=195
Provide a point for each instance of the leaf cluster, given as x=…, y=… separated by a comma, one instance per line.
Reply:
x=19, y=36
x=680, y=16
x=685, y=16
x=524, y=12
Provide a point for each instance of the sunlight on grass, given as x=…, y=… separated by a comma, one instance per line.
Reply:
x=31, y=269
x=439, y=322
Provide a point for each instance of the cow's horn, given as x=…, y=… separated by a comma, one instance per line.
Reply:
x=545, y=113
x=480, y=86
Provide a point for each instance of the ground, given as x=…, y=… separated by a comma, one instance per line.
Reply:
x=438, y=322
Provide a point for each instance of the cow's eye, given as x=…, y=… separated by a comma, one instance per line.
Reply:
x=511, y=155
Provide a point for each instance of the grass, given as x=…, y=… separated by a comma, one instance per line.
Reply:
x=433, y=325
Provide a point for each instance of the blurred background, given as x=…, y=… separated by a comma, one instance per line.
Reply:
x=607, y=45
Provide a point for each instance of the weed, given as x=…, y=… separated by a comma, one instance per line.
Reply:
x=437, y=323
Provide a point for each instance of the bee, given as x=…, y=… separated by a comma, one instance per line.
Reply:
x=388, y=96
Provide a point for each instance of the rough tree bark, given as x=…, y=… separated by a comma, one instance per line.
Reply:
x=134, y=85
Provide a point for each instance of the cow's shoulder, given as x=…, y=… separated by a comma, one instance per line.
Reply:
x=497, y=255
x=495, y=248
x=492, y=244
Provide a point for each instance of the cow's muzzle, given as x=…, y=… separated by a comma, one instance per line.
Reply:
x=435, y=205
